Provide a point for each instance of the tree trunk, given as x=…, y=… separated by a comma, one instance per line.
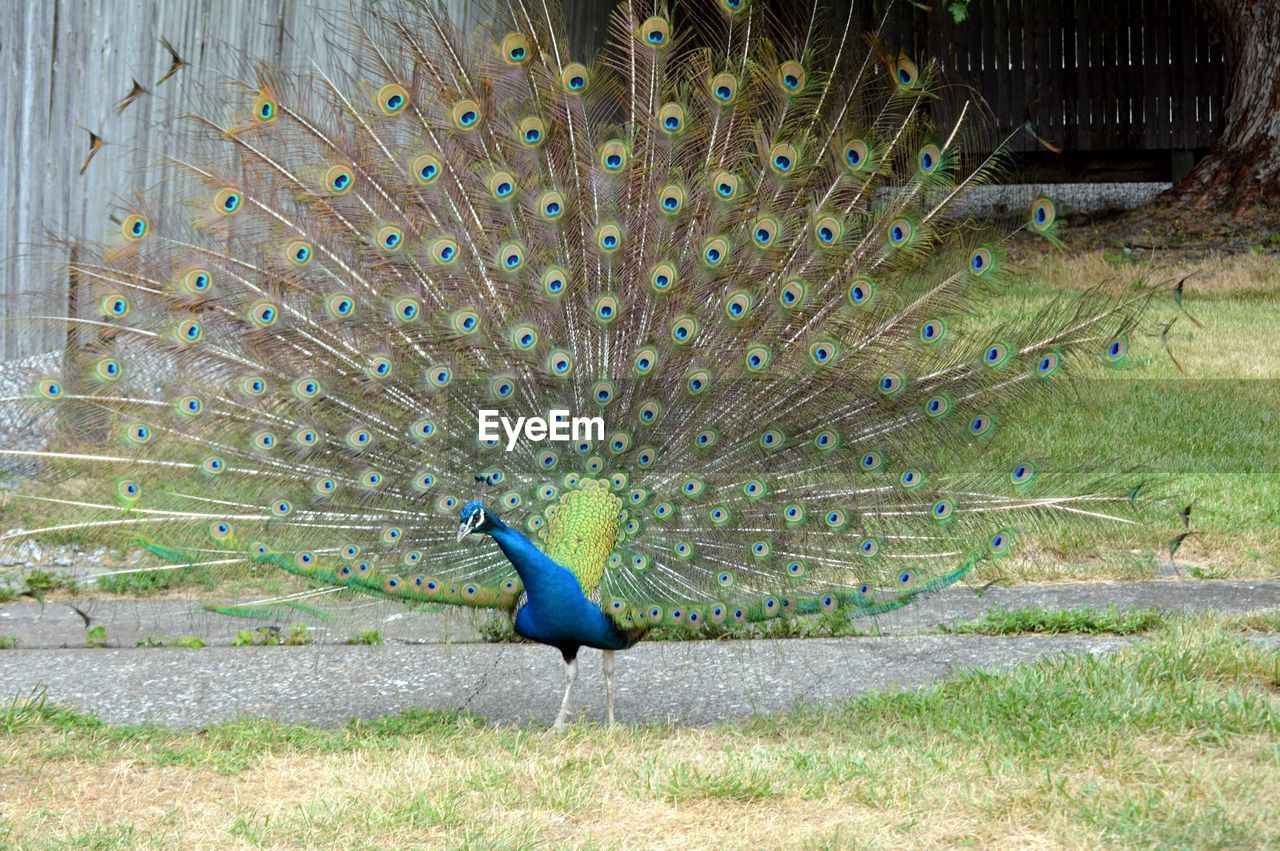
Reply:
x=1244, y=167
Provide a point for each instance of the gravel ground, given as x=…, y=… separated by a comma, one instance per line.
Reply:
x=18, y=429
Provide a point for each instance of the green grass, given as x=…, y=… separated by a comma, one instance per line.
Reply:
x=1170, y=742
x=1086, y=620
x=263, y=636
x=96, y=636
x=34, y=584
x=371, y=637
x=1202, y=434
x=146, y=583
x=9, y=642
x=190, y=642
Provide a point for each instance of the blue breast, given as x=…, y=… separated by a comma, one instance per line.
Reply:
x=556, y=611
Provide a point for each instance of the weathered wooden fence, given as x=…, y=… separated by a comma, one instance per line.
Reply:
x=1094, y=75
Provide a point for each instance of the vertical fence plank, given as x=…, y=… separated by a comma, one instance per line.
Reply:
x=1055, y=75
x=996, y=84
x=1186, y=69
x=1017, y=57
x=1070, y=78
x=1204, y=59
x=1150, y=73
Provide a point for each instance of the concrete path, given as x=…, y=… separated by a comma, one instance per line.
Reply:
x=679, y=682
x=693, y=682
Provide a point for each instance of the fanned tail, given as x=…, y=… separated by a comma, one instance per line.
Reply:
x=749, y=264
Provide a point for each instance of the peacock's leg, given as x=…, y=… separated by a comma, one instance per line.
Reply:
x=570, y=677
x=608, y=686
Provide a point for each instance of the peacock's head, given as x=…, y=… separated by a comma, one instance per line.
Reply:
x=475, y=517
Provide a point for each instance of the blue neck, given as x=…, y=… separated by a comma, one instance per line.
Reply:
x=540, y=574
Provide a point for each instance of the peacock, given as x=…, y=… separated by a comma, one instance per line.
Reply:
x=694, y=333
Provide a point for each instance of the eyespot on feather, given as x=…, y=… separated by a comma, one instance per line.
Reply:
x=783, y=158
x=793, y=294
x=298, y=252
x=389, y=238
x=392, y=99
x=551, y=205
x=856, y=155
x=609, y=238
x=655, y=32
x=906, y=75
x=511, y=257
x=671, y=199
x=715, y=251
x=899, y=232
x=115, y=305
x=197, y=282
x=763, y=231
x=828, y=230
x=502, y=185
x=1042, y=215
x=134, y=227
x=724, y=88
x=226, y=201
x=555, y=281
x=465, y=114
x=531, y=131
x=981, y=261
x=671, y=118
x=613, y=156
x=929, y=159
x=606, y=309
x=757, y=358
x=861, y=292
x=514, y=48
x=265, y=107
x=425, y=168
x=737, y=305
x=379, y=367
x=725, y=185
x=575, y=78
x=663, y=277
x=684, y=329
x=444, y=250
x=791, y=77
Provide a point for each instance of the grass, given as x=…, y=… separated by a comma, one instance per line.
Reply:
x=147, y=583
x=190, y=642
x=34, y=584
x=1171, y=742
x=1086, y=620
x=371, y=637
x=1203, y=434
x=295, y=636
